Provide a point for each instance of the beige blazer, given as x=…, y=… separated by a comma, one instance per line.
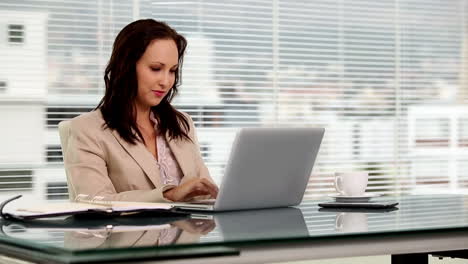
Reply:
x=105, y=239
x=98, y=162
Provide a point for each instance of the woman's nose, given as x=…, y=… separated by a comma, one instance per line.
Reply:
x=165, y=80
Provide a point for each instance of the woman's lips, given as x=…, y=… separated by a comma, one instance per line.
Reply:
x=159, y=93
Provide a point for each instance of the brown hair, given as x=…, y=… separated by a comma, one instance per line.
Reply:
x=117, y=105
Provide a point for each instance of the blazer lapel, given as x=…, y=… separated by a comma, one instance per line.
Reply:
x=143, y=157
x=182, y=156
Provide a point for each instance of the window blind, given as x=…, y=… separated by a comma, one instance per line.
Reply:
x=387, y=80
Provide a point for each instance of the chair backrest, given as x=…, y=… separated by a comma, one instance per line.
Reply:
x=64, y=132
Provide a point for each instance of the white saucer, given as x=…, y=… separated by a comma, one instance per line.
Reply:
x=355, y=199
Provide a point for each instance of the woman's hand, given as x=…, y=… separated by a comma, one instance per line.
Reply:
x=191, y=189
x=195, y=226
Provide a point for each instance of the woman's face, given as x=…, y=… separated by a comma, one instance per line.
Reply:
x=155, y=72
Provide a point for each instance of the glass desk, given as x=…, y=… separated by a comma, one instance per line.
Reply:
x=421, y=225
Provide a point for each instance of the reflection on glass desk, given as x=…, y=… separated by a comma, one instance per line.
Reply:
x=420, y=225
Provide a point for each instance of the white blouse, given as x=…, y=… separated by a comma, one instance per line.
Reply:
x=168, y=167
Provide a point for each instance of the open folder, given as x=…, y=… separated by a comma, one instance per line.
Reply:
x=72, y=224
x=83, y=206
x=90, y=225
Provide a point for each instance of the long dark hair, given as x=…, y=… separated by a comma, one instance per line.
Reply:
x=117, y=105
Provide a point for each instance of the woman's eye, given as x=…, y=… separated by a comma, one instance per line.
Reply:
x=155, y=69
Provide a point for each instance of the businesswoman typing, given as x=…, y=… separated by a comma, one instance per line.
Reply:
x=135, y=146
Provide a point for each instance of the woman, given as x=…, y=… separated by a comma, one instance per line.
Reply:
x=187, y=231
x=135, y=146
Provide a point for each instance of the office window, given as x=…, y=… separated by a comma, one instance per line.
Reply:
x=57, y=191
x=386, y=79
x=59, y=113
x=3, y=86
x=54, y=154
x=16, y=33
x=16, y=180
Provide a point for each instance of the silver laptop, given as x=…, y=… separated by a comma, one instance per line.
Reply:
x=267, y=167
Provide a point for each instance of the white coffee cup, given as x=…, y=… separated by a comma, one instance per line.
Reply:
x=351, y=222
x=351, y=183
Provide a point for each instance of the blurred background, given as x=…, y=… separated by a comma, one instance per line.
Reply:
x=388, y=80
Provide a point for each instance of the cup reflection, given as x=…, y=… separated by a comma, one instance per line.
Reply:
x=351, y=222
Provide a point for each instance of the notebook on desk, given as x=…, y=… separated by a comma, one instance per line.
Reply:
x=84, y=207
x=267, y=168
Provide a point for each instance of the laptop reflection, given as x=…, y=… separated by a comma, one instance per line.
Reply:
x=276, y=223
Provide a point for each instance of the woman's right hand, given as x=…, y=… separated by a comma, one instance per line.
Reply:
x=195, y=226
x=192, y=188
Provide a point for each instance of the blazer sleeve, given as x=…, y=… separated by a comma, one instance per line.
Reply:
x=87, y=173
